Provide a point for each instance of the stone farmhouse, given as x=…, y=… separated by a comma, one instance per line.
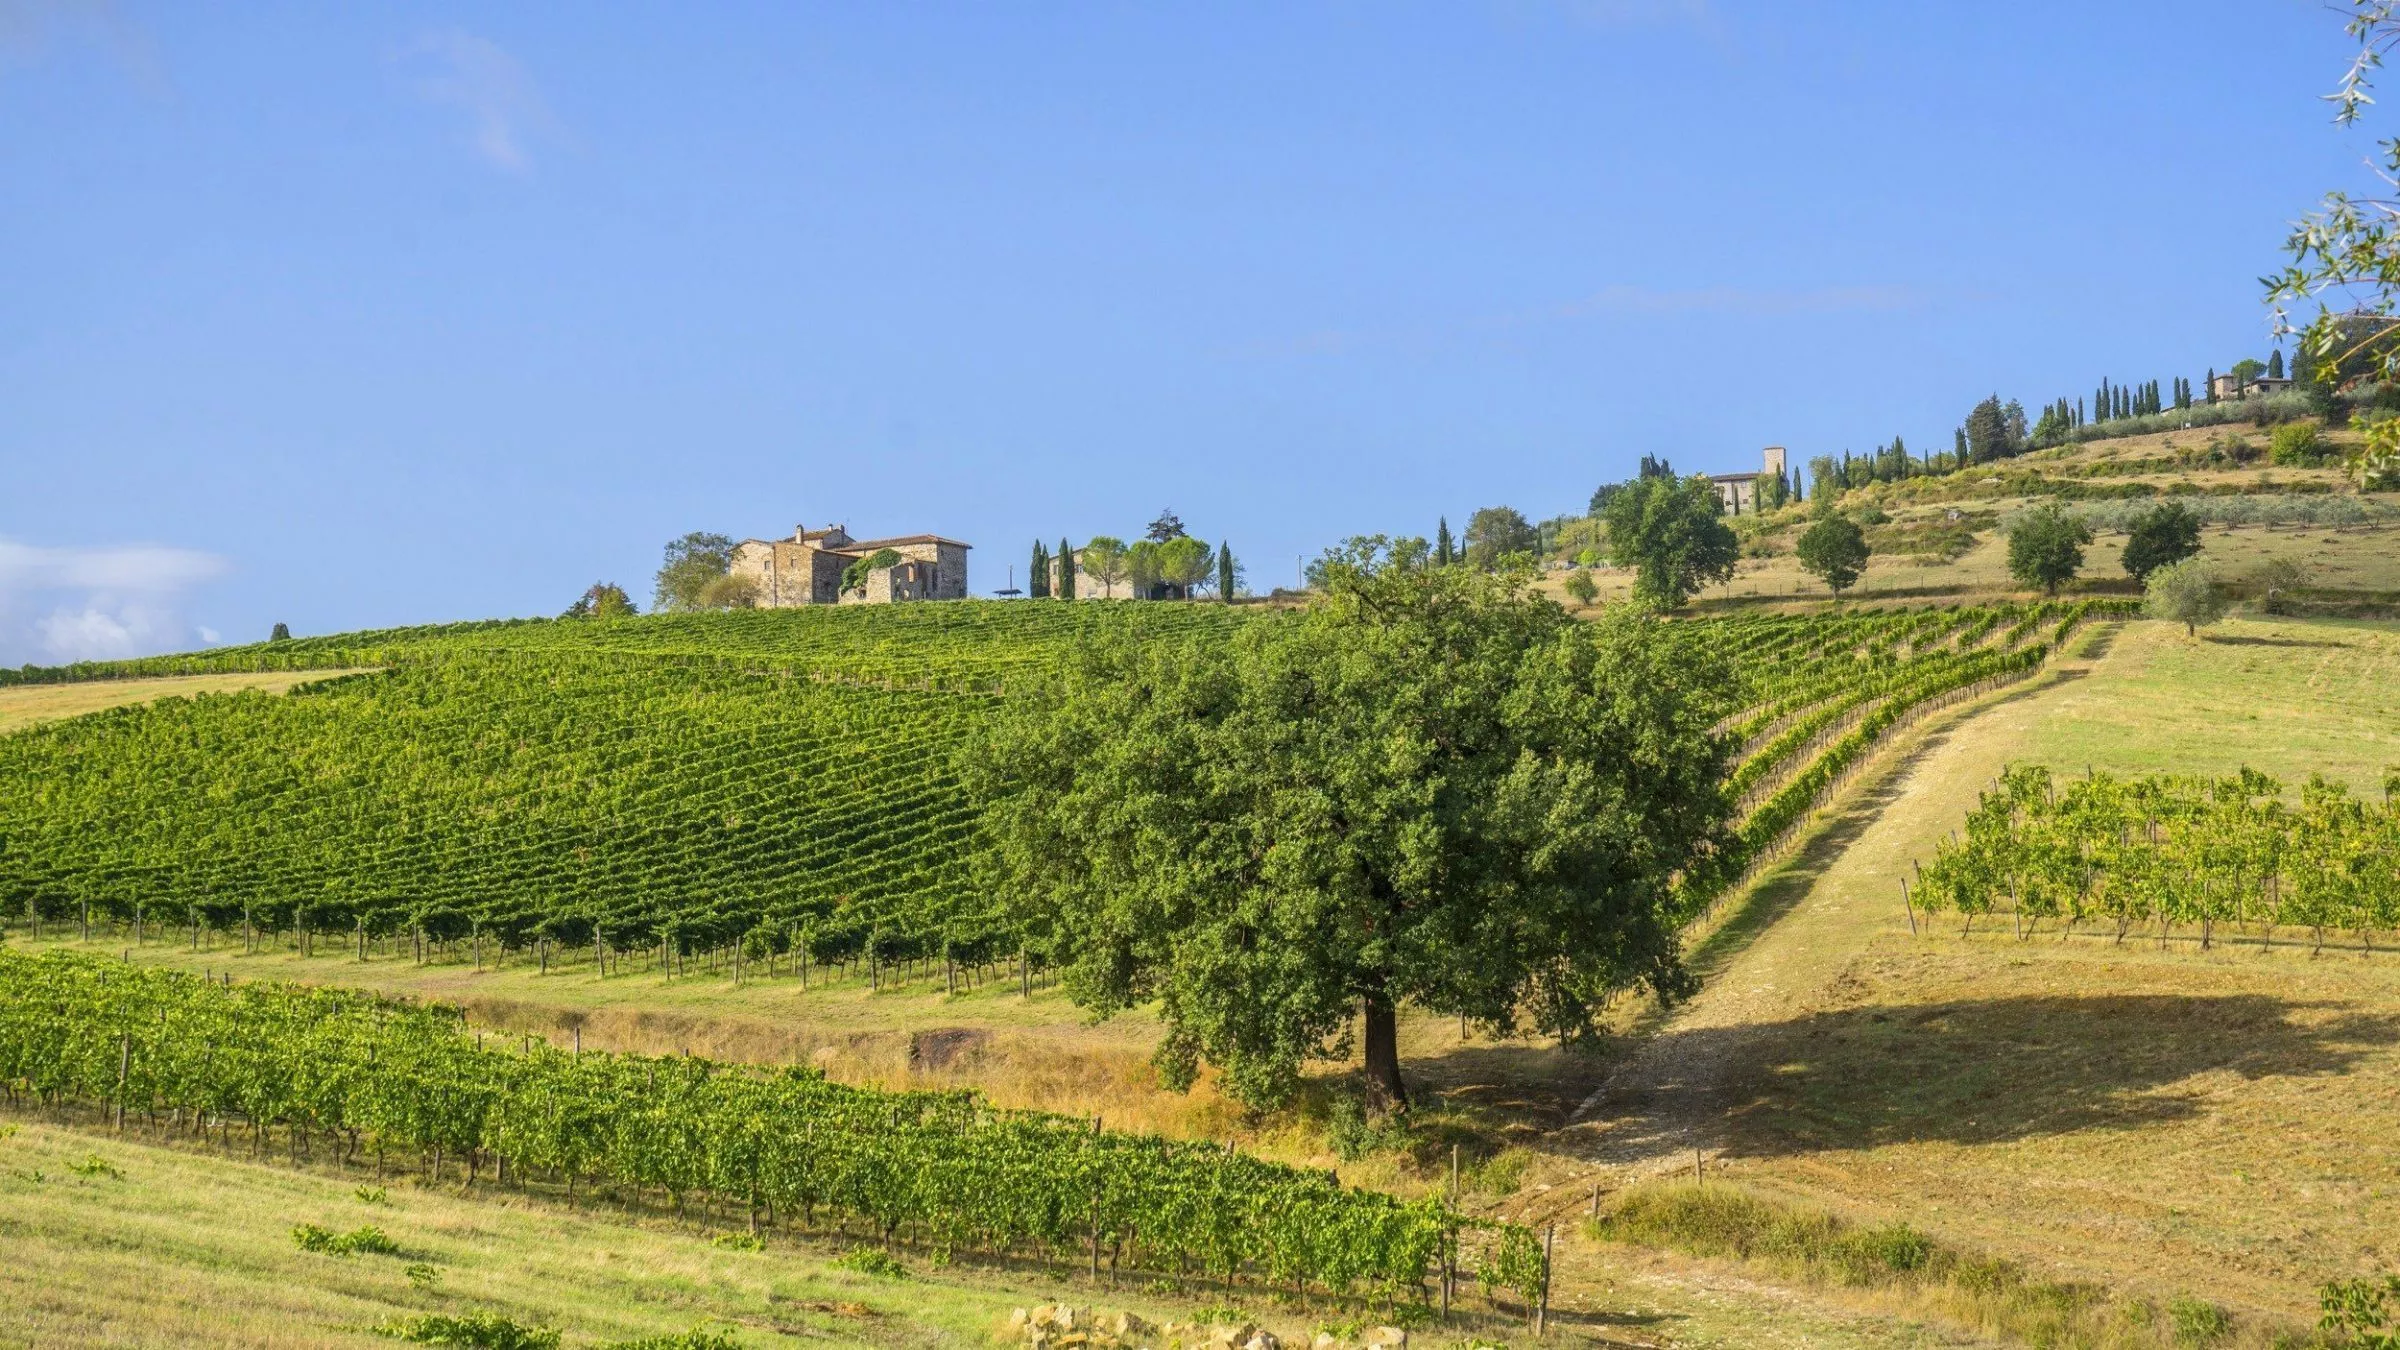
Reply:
x=807, y=568
x=1739, y=492
x=2226, y=388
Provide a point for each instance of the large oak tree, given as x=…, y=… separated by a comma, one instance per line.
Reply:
x=1432, y=787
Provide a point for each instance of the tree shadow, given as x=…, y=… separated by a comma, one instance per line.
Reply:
x=2243, y=640
x=1985, y=1071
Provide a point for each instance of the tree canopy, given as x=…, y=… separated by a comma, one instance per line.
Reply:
x=604, y=600
x=1107, y=561
x=1433, y=788
x=1834, y=550
x=2045, y=547
x=694, y=574
x=2165, y=534
x=2185, y=593
x=1668, y=531
x=1495, y=532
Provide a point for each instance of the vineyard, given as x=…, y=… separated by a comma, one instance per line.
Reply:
x=2167, y=853
x=362, y=1076
x=777, y=791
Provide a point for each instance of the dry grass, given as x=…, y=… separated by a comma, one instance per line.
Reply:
x=22, y=705
x=2157, y=1123
x=190, y=1248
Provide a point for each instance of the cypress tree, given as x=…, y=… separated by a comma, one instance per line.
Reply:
x=1066, y=570
x=1037, y=581
x=1225, y=568
x=2275, y=364
x=1441, y=543
x=2209, y=390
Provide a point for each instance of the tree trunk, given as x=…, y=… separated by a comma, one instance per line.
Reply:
x=1385, y=1091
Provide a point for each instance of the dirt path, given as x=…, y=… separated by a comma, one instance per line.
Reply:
x=1793, y=937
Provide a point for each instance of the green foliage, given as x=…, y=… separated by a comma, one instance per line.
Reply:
x=1066, y=570
x=2184, y=593
x=422, y=1274
x=369, y=1239
x=698, y=1338
x=854, y=577
x=282, y=633
x=1434, y=787
x=480, y=1330
x=2170, y=851
x=604, y=600
x=94, y=1166
x=2375, y=465
x=1106, y=561
x=2198, y=1322
x=689, y=577
x=739, y=1242
x=2362, y=1312
x=1581, y=589
x=2165, y=534
x=1497, y=532
x=940, y=1168
x=1834, y=551
x=2045, y=547
x=1668, y=531
x=1185, y=563
x=1229, y=572
x=1037, y=571
x=2297, y=445
x=871, y=1261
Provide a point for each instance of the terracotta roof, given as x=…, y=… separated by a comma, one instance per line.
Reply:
x=1734, y=477
x=870, y=545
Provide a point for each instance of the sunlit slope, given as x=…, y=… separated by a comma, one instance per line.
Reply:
x=692, y=777
x=768, y=780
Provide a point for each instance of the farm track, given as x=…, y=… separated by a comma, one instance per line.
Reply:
x=1768, y=962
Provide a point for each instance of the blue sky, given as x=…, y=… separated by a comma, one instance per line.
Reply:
x=352, y=315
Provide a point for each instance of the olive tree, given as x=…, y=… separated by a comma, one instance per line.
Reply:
x=1433, y=788
x=2185, y=593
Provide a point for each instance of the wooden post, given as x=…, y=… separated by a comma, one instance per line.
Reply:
x=1454, y=1176
x=1906, y=904
x=1541, y=1309
x=124, y=1066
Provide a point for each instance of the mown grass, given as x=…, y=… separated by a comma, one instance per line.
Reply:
x=23, y=705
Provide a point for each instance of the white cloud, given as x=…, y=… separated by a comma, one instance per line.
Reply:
x=505, y=111
x=94, y=604
x=31, y=29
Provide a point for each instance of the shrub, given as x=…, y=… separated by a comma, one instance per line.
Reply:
x=484, y=1331
x=308, y=1237
x=698, y=1338
x=869, y=1261
x=2296, y=445
x=1582, y=589
x=2197, y=1321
